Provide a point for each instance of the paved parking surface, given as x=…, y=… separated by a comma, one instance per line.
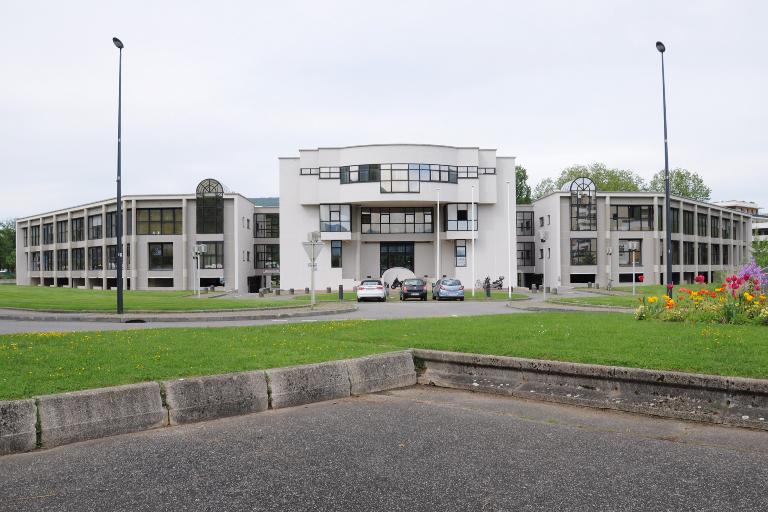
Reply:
x=367, y=310
x=419, y=448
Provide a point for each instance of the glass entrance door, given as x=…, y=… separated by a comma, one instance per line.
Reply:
x=395, y=254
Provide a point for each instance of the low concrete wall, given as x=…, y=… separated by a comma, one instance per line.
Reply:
x=381, y=372
x=17, y=426
x=708, y=398
x=81, y=415
x=218, y=396
x=305, y=384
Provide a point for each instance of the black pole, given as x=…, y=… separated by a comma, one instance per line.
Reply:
x=667, y=203
x=119, y=219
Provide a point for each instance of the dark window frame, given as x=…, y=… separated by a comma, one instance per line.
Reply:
x=62, y=231
x=213, y=258
x=94, y=227
x=581, y=256
x=95, y=258
x=266, y=225
x=526, y=254
x=267, y=256
x=77, y=229
x=380, y=221
x=159, y=221
x=524, y=223
x=47, y=233
x=160, y=256
x=62, y=264
x=631, y=217
x=331, y=216
x=336, y=254
x=629, y=247
x=460, y=253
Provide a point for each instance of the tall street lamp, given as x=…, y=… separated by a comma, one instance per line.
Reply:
x=119, y=219
x=667, y=206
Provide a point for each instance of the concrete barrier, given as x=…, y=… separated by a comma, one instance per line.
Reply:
x=381, y=372
x=90, y=414
x=305, y=384
x=17, y=426
x=708, y=398
x=218, y=396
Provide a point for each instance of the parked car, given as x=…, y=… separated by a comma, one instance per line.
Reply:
x=413, y=289
x=447, y=289
x=371, y=289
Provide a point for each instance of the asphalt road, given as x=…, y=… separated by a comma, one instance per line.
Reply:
x=420, y=448
x=367, y=310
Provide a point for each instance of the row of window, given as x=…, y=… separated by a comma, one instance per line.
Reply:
x=703, y=254
x=377, y=172
x=76, y=259
x=336, y=218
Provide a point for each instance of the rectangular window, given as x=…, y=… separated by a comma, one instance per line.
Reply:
x=34, y=235
x=48, y=260
x=335, y=218
x=541, y=222
x=25, y=236
x=62, y=259
x=726, y=229
x=630, y=252
x=61, y=231
x=726, y=255
x=78, y=259
x=525, y=254
x=35, y=261
x=460, y=253
x=267, y=255
x=129, y=221
x=111, y=257
x=687, y=222
x=78, y=232
x=395, y=220
x=128, y=256
x=461, y=217
x=703, y=254
x=631, y=218
x=111, y=222
x=715, y=254
x=524, y=223
x=701, y=224
x=158, y=221
x=161, y=256
x=714, y=227
x=94, y=227
x=95, y=261
x=214, y=255
x=267, y=225
x=736, y=229
x=689, y=256
x=583, y=251
x=336, y=254
x=48, y=233
x=675, y=213
x=675, y=252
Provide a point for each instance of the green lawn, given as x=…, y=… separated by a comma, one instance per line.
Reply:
x=72, y=299
x=624, y=297
x=38, y=363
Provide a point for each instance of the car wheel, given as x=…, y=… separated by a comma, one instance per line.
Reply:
x=462, y=299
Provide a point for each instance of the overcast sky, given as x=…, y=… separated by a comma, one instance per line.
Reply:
x=221, y=89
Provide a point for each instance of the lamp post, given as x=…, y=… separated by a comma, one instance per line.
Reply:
x=438, y=235
x=472, y=224
x=667, y=206
x=509, y=245
x=119, y=219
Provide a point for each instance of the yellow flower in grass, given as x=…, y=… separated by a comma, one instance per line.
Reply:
x=652, y=299
x=748, y=296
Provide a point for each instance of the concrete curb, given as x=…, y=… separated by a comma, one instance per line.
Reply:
x=17, y=426
x=208, y=316
x=301, y=385
x=218, y=396
x=381, y=372
x=705, y=398
x=90, y=414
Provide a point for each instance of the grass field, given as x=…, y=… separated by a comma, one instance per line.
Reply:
x=624, y=297
x=39, y=363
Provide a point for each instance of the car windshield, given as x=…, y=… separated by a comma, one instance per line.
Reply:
x=451, y=282
x=413, y=282
x=372, y=282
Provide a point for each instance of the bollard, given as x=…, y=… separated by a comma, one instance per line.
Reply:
x=488, y=292
x=547, y=289
x=589, y=285
x=554, y=291
x=306, y=290
x=341, y=292
x=261, y=292
x=597, y=286
x=277, y=291
x=534, y=288
x=327, y=289
x=290, y=291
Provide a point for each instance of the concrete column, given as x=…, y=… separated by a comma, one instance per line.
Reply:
x=184, y=246
x=69, y=247
x=104, y=246
x=134, y=249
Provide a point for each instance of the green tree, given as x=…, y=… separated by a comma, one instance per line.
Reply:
x=8, y=244
x=606, y=179
x=683, y=183
x=760, y=252
x=522, y=188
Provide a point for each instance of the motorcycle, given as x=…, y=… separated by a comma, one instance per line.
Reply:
x=396, y=284
x=498, y=284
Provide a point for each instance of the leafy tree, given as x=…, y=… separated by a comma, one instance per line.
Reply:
x=760, y=252
x=682, y=182
x=8, y=244
x=606, y=179
x=522, y=188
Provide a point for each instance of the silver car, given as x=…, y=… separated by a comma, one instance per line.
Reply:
x=448, y=289
x=371, y=289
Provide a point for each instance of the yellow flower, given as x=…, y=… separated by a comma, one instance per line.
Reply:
x=748, y=296
x=652, y=299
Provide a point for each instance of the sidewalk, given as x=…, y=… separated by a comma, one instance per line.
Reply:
x=322, y=308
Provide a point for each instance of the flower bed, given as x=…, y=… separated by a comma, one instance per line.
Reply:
x=740, y=300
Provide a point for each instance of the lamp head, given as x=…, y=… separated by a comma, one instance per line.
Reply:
x=119, y=43
x=660, y=46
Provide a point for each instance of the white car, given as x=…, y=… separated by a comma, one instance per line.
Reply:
x=371, y=289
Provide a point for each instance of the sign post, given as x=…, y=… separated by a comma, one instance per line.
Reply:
x=199, y=250
x=313, y=246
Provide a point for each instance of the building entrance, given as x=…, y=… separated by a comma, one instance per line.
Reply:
x=395, y=254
